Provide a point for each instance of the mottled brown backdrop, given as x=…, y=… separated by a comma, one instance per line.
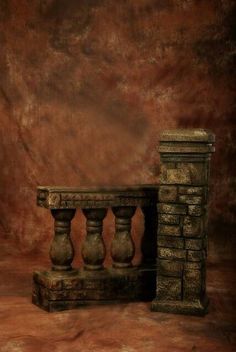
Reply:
x=86, y=87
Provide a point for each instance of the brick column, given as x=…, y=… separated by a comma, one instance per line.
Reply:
x=182, y=222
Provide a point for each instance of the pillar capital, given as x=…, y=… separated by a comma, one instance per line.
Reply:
x=185, y=156
x=187, y=141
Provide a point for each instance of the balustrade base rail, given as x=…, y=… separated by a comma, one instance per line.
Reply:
x=57, y=291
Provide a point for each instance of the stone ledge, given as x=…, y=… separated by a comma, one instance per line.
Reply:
x=187, y=135
x=55, y=291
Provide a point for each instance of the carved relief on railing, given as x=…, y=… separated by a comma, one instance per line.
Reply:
x=71, y=198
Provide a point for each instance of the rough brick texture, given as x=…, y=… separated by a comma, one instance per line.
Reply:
x=181, y=242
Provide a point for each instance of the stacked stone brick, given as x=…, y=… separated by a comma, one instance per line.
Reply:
x=182, y=221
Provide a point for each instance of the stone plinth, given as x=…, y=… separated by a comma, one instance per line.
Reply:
x=182, y=221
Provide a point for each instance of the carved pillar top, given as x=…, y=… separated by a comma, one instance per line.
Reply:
x=185, y=156
x=184, y=141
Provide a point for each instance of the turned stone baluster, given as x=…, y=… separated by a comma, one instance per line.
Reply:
x=62, y=251
x=122, y=247
x=93, y=249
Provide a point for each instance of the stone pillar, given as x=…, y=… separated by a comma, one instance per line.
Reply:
x=182, y=221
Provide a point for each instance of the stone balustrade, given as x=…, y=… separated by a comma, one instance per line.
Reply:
x=65, y=287
x=174, y=244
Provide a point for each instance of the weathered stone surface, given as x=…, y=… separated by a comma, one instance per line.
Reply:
x=193, y=226
x=169, y=230
x=193, y=265
x=93, y=248
x=168, y=288
x=168, y=165
x=177, y=209
x=171, y=253
x=168, y=219
x=197, y=173
x=198, y=191
x=185, y=174
x=167, y=193
x=170, y=268
x=195, y=210
x=175, y=176
x=195, y=256
x=122, y=246
x=190, y=199
x=195, y=244
x=62, y=251
x=170, y=241
x=192, y=284
x=185, y=166
x=96, y=197
x=54, y=292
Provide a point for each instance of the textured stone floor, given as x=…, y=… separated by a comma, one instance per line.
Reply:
x=121, y=328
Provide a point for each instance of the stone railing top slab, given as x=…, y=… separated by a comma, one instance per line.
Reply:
x=96, y=197
x=188, y=135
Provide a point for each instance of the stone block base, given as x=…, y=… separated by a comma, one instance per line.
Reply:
x=198, y=307
x=54, y=291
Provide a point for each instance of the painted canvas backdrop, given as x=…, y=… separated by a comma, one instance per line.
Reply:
x=87, y=86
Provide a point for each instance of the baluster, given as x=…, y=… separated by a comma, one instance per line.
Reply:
x=122, y=247
x=93, y=249
x=62, y=251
